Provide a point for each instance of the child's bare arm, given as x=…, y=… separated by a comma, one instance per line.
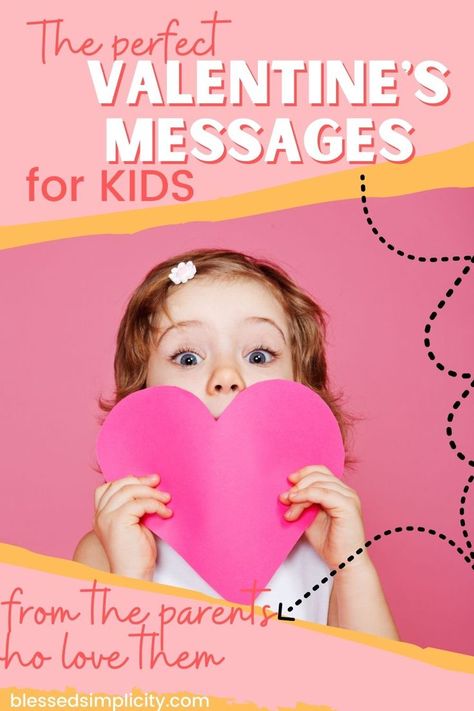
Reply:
x=358, y=602
x=90, y=551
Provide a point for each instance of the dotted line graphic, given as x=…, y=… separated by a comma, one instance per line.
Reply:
x=468, y=555
x=427, y=342
x=367, y=544
x=392, y=248
x=461, y=513
x=449, y=432
x=431, y=355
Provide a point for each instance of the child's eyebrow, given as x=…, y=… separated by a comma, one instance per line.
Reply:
x=262, y=319
x=250, y=319
x=179, y=324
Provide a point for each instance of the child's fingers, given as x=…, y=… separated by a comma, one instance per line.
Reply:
x=295, y=511
x=295, y=476
x=331, y=500
x=335, y=484
x=314, y=480
x=128, y=493
x=315, y=475
x=328, y=497
x=285, y=496
x=139, y=507
x=105, y=491
x=131, y=512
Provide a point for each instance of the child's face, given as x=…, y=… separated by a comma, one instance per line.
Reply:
x=222, y=337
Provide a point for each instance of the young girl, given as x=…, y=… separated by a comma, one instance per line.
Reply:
x=214, y=325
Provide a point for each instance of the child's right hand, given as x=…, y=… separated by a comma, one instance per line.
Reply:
x=130, y=546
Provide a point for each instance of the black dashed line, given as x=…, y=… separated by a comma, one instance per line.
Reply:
x=400, y=252
x=378, y=537
x=468, y=556
x=427, y=342
x=440, y=366
x=462, y=456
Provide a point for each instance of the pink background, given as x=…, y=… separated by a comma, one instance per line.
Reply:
x=55, y=122
x=61, y=303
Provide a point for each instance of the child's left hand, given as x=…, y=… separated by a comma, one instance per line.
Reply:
x=337, y=530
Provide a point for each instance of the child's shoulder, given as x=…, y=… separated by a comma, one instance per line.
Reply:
x=90, y=551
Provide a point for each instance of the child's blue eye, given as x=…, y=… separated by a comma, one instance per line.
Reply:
x=260, y=357
x=187, y=359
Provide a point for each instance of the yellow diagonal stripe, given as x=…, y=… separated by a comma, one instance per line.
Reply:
x=451, y=168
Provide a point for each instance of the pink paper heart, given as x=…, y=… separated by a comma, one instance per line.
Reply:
x=224, y=475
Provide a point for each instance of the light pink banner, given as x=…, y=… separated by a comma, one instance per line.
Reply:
x=107, y=638
x=54, y=120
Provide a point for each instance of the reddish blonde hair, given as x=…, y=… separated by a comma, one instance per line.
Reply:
x=306, y=320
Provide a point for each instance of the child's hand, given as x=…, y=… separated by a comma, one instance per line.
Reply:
x=337, y=530
x=130, y=546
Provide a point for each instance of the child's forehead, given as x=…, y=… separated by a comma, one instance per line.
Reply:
x=209, y=297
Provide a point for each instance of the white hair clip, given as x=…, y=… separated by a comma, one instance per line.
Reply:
x=182, y=273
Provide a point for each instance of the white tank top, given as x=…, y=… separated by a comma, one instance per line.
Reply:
x=302, y=569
